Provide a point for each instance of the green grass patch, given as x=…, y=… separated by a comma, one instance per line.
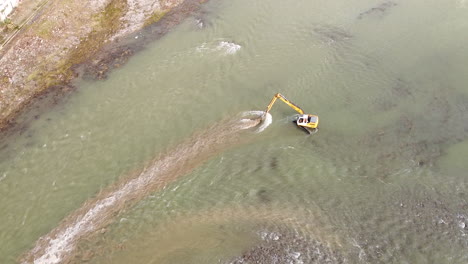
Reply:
x=44, y=30
x=155, y=17
x=106, y=23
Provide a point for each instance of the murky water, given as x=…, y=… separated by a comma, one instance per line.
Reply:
x=383, y=181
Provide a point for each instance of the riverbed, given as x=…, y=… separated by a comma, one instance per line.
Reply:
x=382, y=181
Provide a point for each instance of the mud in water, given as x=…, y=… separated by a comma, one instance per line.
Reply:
x=275, y=233
x=58, y=245
x=286, y=247
x=330, y=34
x=377, y=11
x=58, y=94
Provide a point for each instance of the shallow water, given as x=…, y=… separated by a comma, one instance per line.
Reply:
x=383, y=181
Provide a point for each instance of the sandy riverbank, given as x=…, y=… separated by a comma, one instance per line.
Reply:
x=65, y=35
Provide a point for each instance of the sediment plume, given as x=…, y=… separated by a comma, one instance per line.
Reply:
x=287, y=234
x=58, y=245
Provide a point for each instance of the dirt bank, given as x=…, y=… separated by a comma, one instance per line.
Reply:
x=63, y=36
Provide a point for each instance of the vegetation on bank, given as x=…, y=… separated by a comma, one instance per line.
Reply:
x=105, y=23
x=57, y=41
x=155, y=17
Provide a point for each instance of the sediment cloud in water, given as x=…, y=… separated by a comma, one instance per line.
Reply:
x=272, y=232
x=58, y=245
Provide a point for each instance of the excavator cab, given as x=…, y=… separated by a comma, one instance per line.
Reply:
x=305, y=121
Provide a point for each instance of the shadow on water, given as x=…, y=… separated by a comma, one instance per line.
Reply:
x=377, y=11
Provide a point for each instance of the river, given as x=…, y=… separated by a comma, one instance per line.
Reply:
x=382, y=181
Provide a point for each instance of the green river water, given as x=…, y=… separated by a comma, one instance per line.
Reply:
x=383, y=181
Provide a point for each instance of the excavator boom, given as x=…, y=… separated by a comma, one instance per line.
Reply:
x=282, y=98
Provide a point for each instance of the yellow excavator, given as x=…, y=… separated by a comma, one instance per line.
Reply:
x=305, y=121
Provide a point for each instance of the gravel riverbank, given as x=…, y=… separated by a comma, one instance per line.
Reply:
x=64, y=35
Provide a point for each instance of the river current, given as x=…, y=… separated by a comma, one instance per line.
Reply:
x=383, y=180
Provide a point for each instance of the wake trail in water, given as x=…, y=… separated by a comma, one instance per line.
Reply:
x=58, y=246
x=267, y=119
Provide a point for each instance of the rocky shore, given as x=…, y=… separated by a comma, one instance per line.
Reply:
x=63, y=36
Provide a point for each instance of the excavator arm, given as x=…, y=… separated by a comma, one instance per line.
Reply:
x=282, y=98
